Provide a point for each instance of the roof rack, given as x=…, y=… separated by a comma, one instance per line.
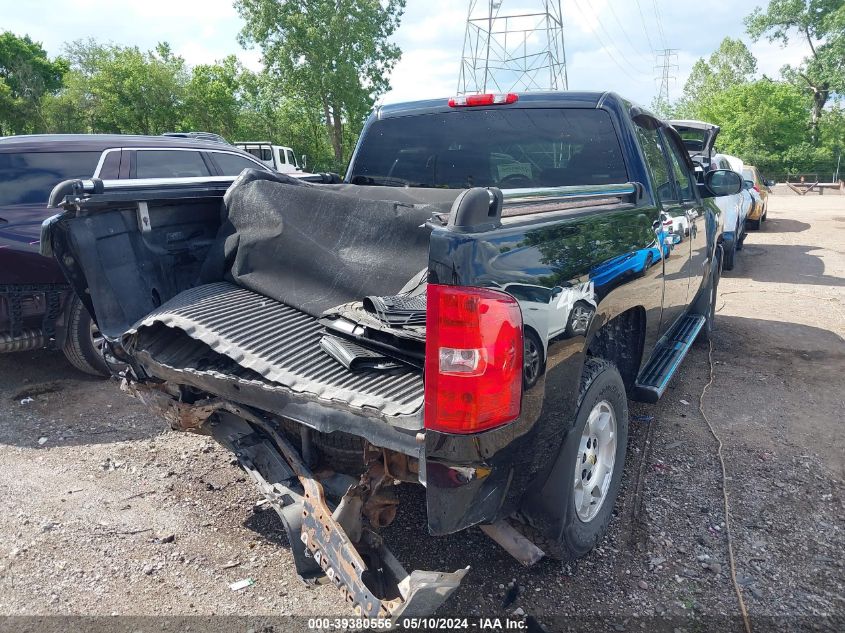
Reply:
x=200, y=136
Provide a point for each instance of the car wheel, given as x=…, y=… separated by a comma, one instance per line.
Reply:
x=593, y=455
x=532, y=359
x=706, y=302
x=579, y=319
x=729, y=256
x=753, y=225
x=84, y=343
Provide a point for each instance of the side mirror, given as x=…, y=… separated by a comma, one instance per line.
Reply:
x=722, y=182
x=748, y=184
x=304, y=161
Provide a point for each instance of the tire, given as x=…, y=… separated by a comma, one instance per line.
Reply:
x=706, y=304
x=729, y=256
x=532, y=359
x=83, y=344
x=752, y=225
x=602, y=389
x=576, y=324
x=345, y=452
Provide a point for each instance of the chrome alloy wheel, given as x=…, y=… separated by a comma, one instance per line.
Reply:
x=97, y=339
x=594, y=461
x=581, y=319
x=531, y=361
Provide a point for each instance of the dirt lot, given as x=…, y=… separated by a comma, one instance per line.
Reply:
x=103, y=511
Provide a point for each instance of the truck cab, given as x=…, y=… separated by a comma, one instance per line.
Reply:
x=277, y=157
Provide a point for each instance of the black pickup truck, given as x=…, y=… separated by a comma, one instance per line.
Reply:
x=469, y=310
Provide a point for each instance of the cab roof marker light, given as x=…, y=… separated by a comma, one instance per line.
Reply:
x=468, y=101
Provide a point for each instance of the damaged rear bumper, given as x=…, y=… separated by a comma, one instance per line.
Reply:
x=333, y=545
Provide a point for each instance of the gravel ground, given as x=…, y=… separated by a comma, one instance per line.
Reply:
x=103, y=511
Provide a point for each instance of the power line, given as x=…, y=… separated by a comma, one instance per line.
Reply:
x=607, y=48
x=625, y=32
x=645, y=27
x=659, y=23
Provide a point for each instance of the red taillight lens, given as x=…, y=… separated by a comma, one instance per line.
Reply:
x=473, y=359
x=757, y=188
x=483, y=100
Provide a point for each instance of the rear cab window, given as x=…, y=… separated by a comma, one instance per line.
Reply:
x=507, y=148
x=29, y=177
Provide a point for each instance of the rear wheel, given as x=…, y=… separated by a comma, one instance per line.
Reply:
x=594, y=457
x=706, y=302
x=753, y=225
x=730, y=254
x=532, y=359
x=84, y=343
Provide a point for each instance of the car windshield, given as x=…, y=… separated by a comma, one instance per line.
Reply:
x=29, y=177
x=509, y=148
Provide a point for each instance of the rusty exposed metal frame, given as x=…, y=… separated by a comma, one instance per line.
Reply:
x=327, y=535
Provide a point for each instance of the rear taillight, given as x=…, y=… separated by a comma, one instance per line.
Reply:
x=757, y=188
x=473, y=359
x=468, y=101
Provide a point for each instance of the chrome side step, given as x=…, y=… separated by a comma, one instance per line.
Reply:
x=664, y=361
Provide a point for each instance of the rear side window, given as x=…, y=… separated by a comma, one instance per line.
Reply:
x=507, y=148
x=232, y=164
x=655, y=158
x=29, y=177
x=169, y=164
x=680, y=173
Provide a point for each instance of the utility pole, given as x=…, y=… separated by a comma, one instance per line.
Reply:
x=666, y=63
x=520, y=51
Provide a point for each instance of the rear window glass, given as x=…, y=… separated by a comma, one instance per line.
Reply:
x=169, y=164
x=509, y=149
x=748, y=174
x=29, y=177
x=693, y=139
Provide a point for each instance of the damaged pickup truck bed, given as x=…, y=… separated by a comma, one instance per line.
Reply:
x=469, y=311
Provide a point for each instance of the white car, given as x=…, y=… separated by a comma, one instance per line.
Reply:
x=735, y=210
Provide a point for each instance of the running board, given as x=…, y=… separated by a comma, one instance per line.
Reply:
x=664, y=361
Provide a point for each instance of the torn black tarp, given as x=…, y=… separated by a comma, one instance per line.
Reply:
x=314, y=248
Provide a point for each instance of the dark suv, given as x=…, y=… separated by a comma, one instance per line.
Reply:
x=37, y=307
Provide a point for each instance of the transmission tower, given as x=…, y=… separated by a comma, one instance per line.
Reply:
x=513, y=52
x=667, y=65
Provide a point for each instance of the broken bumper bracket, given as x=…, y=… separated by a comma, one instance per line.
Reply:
x=321, y=547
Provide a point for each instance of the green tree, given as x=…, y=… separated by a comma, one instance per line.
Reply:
x=212, y=101
x=763, y=122
x=732, y=64
x=821, y=24
x=334, y=52
x=121, y=90
x=26, y=75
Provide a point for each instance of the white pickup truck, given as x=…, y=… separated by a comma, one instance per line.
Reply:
x=277, y=157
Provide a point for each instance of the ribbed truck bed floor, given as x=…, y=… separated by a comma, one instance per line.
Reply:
x=268, y=341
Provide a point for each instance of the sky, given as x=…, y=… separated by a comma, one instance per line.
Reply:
x=607, y=44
